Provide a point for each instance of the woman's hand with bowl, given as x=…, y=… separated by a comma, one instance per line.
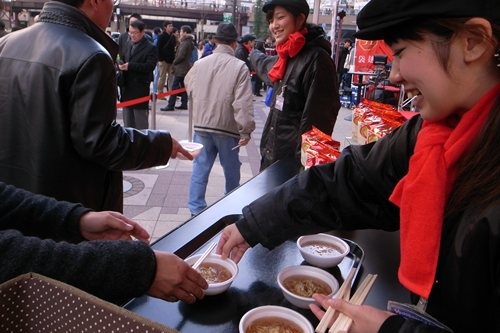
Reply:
x=232, y=244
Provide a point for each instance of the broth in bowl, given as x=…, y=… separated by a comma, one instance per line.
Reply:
x=273, y=325
x=322, y=248
x=214, y=273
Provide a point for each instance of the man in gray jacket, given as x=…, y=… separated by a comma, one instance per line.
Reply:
x=220, y=94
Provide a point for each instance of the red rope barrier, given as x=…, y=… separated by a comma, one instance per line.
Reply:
x=147, y=98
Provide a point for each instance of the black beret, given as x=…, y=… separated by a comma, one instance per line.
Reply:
x=246, y=38
x=300, y=5
x=379, y=16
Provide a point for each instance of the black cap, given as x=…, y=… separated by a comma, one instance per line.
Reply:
x=379, y=16
x=300, y=6
x=246, y=38
x=226, y=32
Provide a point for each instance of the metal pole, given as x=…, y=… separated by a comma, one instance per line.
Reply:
x=334, y=24
x=190, y=118
x=315, y=19
x=153, y=111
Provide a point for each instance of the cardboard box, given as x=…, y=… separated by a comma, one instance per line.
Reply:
x=35, y=303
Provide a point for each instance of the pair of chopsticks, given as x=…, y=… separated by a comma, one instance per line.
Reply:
x=204, y=255
x=342, y=323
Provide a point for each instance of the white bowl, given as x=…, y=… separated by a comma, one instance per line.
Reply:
x=272, y=311
x=193, y=148
x=322, y=250
x=308, y=272
x=218, y=287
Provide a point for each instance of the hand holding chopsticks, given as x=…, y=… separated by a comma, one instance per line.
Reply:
x=342, y=323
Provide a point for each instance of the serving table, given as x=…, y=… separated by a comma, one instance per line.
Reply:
x=372, y=251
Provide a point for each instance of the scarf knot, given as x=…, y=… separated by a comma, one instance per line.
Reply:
x=289, y=49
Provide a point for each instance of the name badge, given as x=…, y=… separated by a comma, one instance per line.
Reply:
x=411, y=311
x=280, y=98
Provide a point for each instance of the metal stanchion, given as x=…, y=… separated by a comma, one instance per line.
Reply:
x=153, y=110
x=190, y=119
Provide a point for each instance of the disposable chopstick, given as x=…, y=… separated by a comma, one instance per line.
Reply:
x=204, y=255
x=343, y=322
x=342, y=293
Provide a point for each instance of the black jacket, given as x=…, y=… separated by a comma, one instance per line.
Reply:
x=29, y=225
x=138, y=77
x=310, y=94
x=352, y=193
x=58, y=124
x=242, y=53
x=166, y=47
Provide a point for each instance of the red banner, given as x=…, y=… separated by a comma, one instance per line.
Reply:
x=366, y=50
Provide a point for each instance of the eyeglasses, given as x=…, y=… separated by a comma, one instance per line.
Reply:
x=133, y=33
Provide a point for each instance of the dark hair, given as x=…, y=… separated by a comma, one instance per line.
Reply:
x=167, y=23
x=74, y=3
x=186, y=29
x=157, y=30
x=2, y=25
x=135, y=15
x=138, y=24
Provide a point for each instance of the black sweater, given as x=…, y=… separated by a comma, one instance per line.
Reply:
x=40, y=234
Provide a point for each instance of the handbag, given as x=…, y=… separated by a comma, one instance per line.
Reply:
x=269, y=97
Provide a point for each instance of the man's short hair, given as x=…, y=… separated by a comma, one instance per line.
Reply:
x=135, y=15
x=187, y=29
x=167, y=23
x=138, y=24
x=73, y=3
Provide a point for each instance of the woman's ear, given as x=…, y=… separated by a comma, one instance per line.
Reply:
x=479, y=41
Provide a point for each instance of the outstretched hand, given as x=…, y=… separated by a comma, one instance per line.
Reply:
x=175, y=280
x=178, y=149
x=232, y=244
x=111, y=226
x=365, y=319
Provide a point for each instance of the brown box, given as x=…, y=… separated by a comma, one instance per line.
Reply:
x=35, y=303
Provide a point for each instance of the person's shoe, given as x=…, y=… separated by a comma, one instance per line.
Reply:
x=182, y=107
x=167, y=108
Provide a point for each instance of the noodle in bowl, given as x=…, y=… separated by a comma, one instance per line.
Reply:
x=298, y=283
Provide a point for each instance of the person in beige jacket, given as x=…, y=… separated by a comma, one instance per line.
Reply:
x=220, y=93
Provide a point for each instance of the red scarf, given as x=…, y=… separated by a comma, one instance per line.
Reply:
x=422, y=194
x=289, y=49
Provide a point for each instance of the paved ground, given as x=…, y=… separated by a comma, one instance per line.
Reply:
x=157, y=197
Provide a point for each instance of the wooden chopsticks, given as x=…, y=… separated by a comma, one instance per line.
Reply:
x=343, y=293
x=342, y=323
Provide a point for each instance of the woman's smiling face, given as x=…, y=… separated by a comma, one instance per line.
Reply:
x=417, y=67
x=283, y=23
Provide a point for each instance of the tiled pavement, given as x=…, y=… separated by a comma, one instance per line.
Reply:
x=157, y=197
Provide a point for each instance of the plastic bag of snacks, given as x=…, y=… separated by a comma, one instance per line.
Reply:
x=373, y=120
x=318, y=148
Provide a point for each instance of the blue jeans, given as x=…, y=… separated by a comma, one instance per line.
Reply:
x=213, y=144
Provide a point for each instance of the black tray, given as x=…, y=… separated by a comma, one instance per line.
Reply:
x=255, y=285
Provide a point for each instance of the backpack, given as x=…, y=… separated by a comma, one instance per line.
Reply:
x=194, y=56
